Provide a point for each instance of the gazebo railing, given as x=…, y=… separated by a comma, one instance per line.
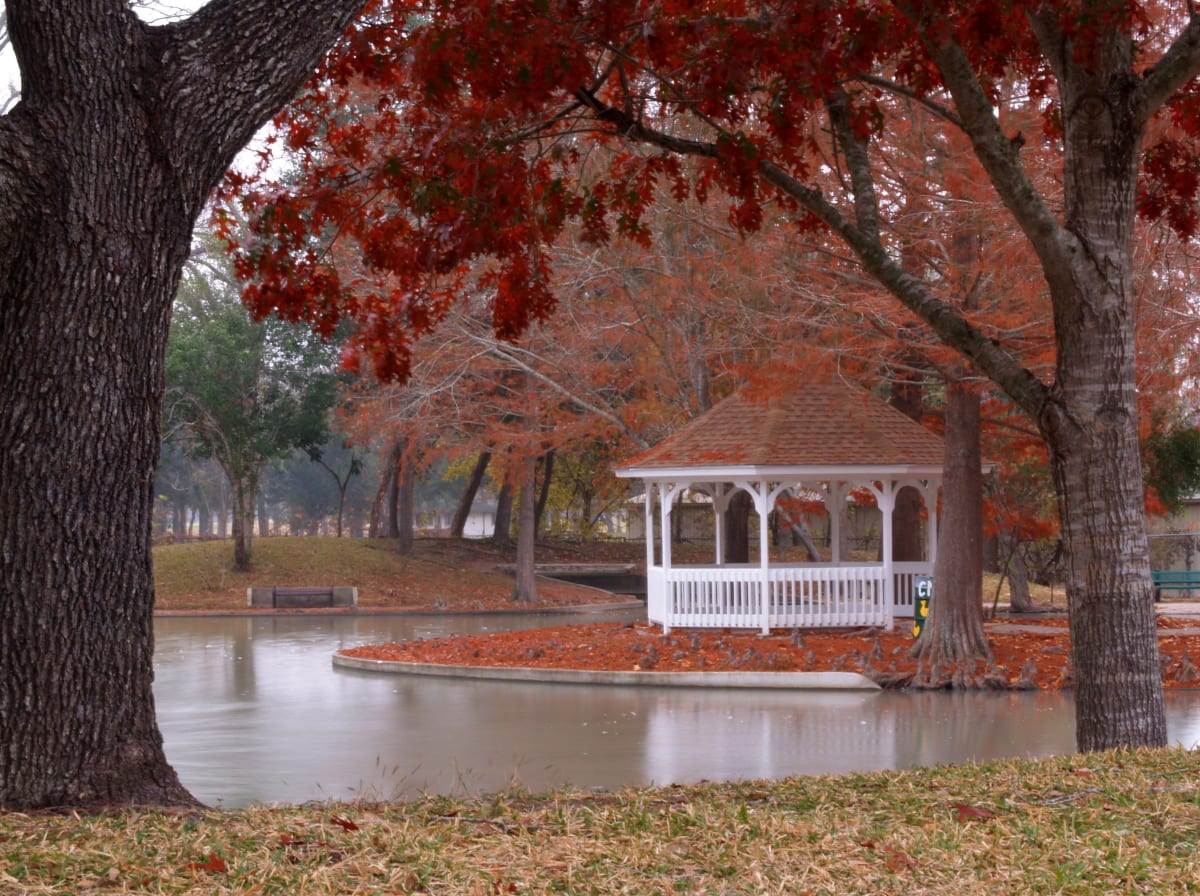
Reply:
x=714, y=597
x=904, y=578
x=827, y=596
x=807, y=595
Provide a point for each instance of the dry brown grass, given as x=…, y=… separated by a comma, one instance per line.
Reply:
x=440, y=574
x=1099, y=823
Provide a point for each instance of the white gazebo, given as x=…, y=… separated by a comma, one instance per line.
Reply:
x=821, y=439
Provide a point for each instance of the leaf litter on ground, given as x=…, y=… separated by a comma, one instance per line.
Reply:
x=1117, y=822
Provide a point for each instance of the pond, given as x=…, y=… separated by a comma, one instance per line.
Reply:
x=252, y=711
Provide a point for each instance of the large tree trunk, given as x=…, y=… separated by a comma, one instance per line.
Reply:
x=406, y=520
x=459, y=524
x=1094, y=452
x=1019, y=598
x=908, y=397
x=526, y=586
x=502, y=533
x=392, y=474
x=801, y=535
x=1090, y=422
x=952, y=645
x=737, y=527
x=122, y=132
x=243, y=491
x=1088, y=415
x=547, y=466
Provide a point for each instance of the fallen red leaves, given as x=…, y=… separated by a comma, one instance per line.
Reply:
x=344, y=823
x=1028, y=658
x=213, y=864
x=966, y=812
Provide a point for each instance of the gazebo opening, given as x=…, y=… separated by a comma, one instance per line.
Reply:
x=782, y=456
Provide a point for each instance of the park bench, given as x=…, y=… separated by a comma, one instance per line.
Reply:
x=302, y=598
x=1174, y=580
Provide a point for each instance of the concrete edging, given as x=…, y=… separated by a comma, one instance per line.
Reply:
x=825, y=681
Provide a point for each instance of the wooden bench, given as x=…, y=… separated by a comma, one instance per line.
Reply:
x=1174, y=580
x=302, y=598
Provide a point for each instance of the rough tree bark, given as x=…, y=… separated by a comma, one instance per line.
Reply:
x=502, y=532
x=801, y=536
x=406, y=495
x=391, y=499
x=1019, y=600
x=953, y=646
x=122, y=132
x=459, y=524
x=526, y=572
x=381, y=516
x=737, y=527
x=245, y=487
x=547, y=465
x=908, y=397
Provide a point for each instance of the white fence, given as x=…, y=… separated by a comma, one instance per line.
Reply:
x=828, y=596
x=808, y=595
x=904, y=577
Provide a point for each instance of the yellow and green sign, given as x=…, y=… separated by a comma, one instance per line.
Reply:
x=922, y=597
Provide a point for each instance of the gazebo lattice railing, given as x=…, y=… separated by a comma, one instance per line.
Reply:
x=772, y=595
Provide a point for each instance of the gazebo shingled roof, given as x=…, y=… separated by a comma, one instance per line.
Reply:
x=814, y=425
x=828, y=436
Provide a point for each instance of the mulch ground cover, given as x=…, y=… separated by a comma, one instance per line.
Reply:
x=1026, y=653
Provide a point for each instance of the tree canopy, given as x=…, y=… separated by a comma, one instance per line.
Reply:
x=244, y=392
x=445, y=167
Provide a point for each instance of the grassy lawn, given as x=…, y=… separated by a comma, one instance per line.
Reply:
x=440, y=574
x=1100, y=823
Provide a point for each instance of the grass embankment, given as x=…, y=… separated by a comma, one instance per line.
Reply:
x=1099, y=823
x=440, y=574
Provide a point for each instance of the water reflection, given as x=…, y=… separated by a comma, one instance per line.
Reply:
x=252, y=711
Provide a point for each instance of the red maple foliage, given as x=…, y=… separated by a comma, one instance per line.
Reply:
x=451, y=164
x=452, y=170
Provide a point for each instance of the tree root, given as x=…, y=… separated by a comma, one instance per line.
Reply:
x=961, y=675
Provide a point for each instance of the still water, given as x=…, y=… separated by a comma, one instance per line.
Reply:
x=252, y=711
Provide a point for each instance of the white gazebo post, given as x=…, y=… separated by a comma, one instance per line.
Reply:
x=649, y=516
x=885, y=497
x=669, y=491
x=761, y=499
x=764, y=556
x=720, y=500
x=665, y=501
x=758, y=492
x=666, y=497
x=836, y=506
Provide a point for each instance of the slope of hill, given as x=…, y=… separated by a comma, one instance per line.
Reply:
x=440, y=574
